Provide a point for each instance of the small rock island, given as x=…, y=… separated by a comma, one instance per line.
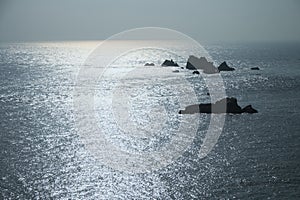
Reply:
x=226, y=105
x=224, y=67
x=169, y=63
x=195, y=63
x=149, y=64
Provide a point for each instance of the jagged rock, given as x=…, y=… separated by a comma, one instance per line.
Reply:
x=254, y=68
x=196, y=72
x=169, y=63
x=224, y=67
x=226, y=105
x=195, y=63
x=190, y=66
x=149, y=64
x=249, y=109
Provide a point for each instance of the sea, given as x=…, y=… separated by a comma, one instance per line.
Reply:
x=45, y=155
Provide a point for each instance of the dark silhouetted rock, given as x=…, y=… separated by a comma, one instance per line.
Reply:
x=195, y=63
x=226, y=105
x=208, y=93
x=254, y=68
x=169, y=63
x=196, y=72
x=176, y=71
x=224, y=67
x=192, y=109
x=149, y=64
x=249, y=109
x=190, y=66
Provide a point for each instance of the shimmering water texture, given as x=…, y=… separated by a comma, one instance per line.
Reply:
x=43, y=157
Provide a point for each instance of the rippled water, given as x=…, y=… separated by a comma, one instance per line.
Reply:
x=43, y=157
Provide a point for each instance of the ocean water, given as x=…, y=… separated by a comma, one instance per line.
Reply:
x=42, y=155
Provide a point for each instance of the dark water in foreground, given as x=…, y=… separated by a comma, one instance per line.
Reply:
x=42, y=157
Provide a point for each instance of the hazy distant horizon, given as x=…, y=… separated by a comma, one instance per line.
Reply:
x=205, y=21
x=296, y=42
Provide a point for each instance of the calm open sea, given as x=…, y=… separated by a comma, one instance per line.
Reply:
x=43, y=157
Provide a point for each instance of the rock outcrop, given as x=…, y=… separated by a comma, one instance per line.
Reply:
x=254, y=68
x=224, y=67
x=226, y=105
x=149, y=64
x=196, y=72
x=249, y=109
x=169, y=63
x=195, y=63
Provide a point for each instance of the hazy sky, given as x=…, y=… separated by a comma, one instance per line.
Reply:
x=211, y=20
